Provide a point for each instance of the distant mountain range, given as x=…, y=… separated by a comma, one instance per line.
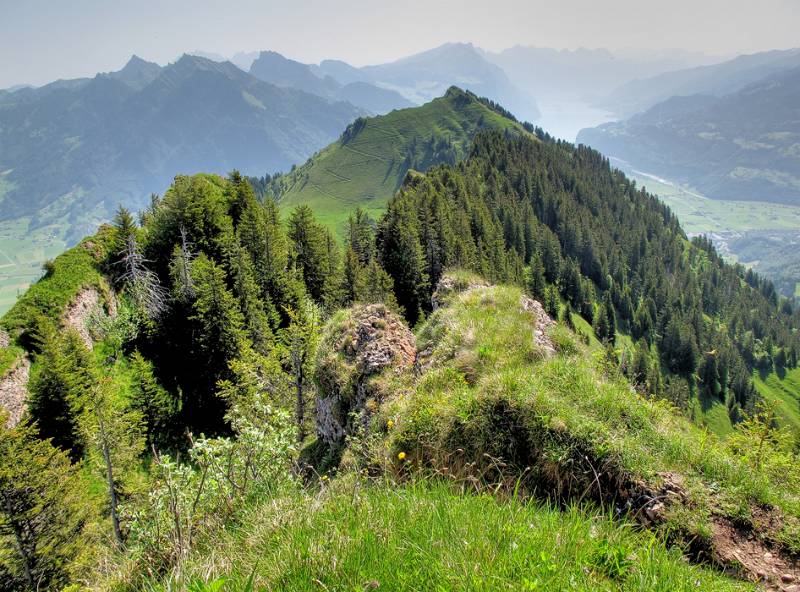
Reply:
x=741, y=146
x=272, y=67
x=427, y=75
x=403, y=83
x=583, y=74
x=77, y=148
x=716, y=80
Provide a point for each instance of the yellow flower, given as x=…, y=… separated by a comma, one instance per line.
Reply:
x=401, y=455
x=390, y=424
x=324, y=478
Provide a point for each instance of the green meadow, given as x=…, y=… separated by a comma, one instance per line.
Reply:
x=700, y=214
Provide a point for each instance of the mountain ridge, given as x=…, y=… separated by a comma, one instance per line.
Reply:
x=369, y=162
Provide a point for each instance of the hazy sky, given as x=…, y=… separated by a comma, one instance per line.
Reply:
x=41, y=40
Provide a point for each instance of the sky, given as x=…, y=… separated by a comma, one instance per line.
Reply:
x=43, y=40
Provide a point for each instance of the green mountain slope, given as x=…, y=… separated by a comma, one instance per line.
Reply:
x=367, y=165
x=742, y=146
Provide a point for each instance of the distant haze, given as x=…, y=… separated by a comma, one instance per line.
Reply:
x=42, y=40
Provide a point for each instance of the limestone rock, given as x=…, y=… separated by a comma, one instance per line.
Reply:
x=543, y=324
x=87, y=302
x=357, y=346
x=448, y=285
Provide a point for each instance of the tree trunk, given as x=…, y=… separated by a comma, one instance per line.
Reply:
x=112, y=493
x=300, y=410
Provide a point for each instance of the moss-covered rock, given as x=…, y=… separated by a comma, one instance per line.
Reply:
x=358, y=345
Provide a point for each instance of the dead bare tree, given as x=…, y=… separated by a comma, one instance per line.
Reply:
x=181, y=266
x=142, y=283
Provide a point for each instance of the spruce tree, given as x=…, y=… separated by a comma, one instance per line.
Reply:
x=112, y=436
x=310, y=250
x=41, y=511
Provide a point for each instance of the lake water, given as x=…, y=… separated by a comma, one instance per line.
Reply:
x=565, y=118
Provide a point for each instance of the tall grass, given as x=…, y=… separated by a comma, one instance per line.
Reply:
x=425, y=536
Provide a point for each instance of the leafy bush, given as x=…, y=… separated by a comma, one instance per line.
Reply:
x=191, y=500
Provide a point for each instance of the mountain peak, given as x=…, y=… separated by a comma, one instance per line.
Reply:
x=193, y=63
x=135, y=61
x=137, y=73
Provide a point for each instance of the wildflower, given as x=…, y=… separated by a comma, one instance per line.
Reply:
x=324, y=478
x=390, y=424
x=401, y=455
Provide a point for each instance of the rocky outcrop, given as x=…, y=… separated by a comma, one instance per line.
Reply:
x=542, y=325
x=358, y=346
x=14, y=390
x=83, y=306
x=78, y=312
x=449, y=285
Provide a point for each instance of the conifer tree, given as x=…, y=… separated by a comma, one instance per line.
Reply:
x=361, y=236
x=310, y=250
x=219, y=338
x=113, y=439
x=157, y=407
x=41, y=513
x=402, y=258
x=537, y=282
x=300, y=341
x=59, y=389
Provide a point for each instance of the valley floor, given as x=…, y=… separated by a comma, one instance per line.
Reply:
x=758, y=234
x=22, y=253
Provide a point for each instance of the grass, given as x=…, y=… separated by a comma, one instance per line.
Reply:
x=428, y=536
x=368, y=169
x=72, y=271
x=576, y=431
x=786, y=390
x=711, y=413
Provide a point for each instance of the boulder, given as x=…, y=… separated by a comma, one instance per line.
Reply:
x=358, y=346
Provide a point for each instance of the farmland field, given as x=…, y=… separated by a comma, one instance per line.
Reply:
x=761, y=235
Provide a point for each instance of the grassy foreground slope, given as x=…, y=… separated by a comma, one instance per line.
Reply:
x=492, y=405
x=367, y=165
x=429, y=536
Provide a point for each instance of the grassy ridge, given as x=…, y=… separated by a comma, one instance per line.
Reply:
x=367, y=168
x=489, y=394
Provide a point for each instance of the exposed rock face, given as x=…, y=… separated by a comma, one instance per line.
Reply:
x=14, y=391
x=5, y=340
x=367, y=342
x=543, y=323
x=80, y=310
x=449, y=285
